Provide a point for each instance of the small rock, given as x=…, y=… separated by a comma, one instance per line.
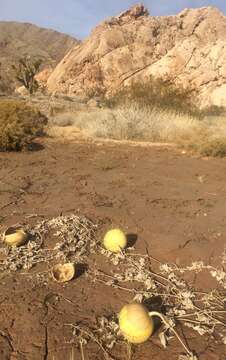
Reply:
x=93, y=103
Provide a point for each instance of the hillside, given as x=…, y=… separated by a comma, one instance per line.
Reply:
x=18, y=39
x=188, y=49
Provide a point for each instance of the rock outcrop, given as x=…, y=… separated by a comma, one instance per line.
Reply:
x=188, y=48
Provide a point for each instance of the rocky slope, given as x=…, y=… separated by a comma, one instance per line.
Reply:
x=18, y=39
x=189, y=48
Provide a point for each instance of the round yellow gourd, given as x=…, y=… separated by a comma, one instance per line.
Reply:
x=115, y=240
x=14, y=236
x=137, y=326
x=135, y=323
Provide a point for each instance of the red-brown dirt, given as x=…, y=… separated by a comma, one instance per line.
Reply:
x=175, y=203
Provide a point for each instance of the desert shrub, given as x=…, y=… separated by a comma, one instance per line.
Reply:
x=19, y=124
x=206, y=145
x=213, y=110
x=156, y=93
x=25, y=72
x=213, y=147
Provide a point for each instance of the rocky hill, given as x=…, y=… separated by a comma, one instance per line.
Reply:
x=18, y=39
x=188, y=48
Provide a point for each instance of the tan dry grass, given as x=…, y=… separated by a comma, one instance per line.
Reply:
x=206, y=136
x=128, y=123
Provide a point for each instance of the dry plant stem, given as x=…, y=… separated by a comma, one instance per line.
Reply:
x=139, y=255
x=92, y=337
x=206, y=293
x=66, y=299
x=194, y=314
x=212, y=317
x=134, y=291
x=188, y=320
x=164, y=279
x=81, y=351
x=33, y=274
x=149, y=256
x=120, y=287
x=113, y=278
x=157, y=275
x=129, y=350
x=72, y=354
x=156, y=313
x=188, y=315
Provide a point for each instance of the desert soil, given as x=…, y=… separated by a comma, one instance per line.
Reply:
x=174, y=202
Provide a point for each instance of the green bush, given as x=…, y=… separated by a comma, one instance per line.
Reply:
x=156, y=93
x=19, y=125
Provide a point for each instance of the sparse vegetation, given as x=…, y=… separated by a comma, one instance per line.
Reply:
x=206, y=136
x=19, y=124
x=133, y=123
x=156, y=94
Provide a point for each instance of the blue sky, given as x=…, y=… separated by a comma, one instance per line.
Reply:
x=78, y=17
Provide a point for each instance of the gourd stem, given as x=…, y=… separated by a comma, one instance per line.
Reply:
x=162, y=317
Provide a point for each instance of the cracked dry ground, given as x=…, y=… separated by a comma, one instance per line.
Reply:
x=174, y=202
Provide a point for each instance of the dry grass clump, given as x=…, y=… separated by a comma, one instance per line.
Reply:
x=204, y=136
x=64, y=119
x=19, y=124
x=132, y=123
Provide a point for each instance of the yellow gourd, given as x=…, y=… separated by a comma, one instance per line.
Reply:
x=115, y=240
x=135, y=323
x=14, y=236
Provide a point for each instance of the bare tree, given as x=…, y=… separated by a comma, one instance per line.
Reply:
x=25, y=72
